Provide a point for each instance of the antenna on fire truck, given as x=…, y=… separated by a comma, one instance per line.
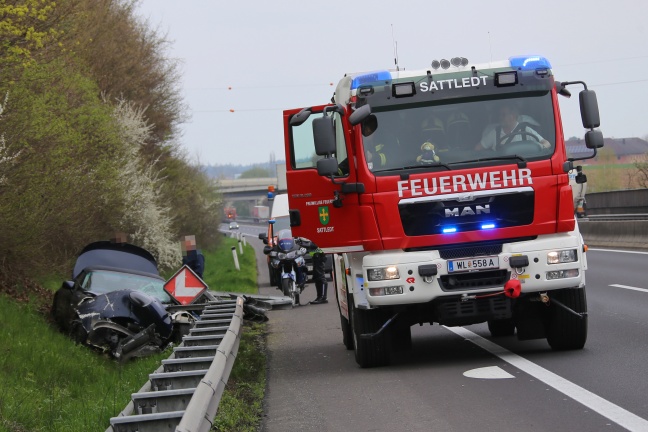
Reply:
x=395, y=48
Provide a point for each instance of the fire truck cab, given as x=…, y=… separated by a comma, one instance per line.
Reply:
x=444, y=196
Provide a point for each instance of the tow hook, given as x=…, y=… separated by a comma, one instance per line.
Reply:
x=382, y=329
x=544, y=298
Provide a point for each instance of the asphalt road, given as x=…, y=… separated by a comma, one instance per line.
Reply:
x=461, y=379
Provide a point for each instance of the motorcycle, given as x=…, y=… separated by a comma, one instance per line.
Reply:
x=288, y=256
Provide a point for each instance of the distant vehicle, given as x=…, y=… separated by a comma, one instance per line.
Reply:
x=115, y=301
x=229, y=214
x=260, y=213
x=233, y=226
x=280, y=215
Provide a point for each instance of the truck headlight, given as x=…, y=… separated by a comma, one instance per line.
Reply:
x=563, y=256
x=382, y=273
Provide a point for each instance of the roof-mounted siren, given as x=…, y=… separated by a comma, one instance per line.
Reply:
x=445, y=64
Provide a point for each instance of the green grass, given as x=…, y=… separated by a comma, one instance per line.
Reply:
x=220, y=272
x=47, y=383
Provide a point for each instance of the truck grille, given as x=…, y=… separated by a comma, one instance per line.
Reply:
x=457, y=312
x=466, y=251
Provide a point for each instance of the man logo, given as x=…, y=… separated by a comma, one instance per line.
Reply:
x=467, y=211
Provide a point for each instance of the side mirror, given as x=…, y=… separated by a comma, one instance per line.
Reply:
x=300, y=117
x=295, y=217
x=68, y=284
x=327, y=167
x=589, y=109
x=324, y=135
x=594, y=139
x=263, y=236
x=359, y=115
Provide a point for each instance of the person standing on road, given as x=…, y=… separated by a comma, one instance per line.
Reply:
x=191, y=256
x=319, y=274
x=321, y=285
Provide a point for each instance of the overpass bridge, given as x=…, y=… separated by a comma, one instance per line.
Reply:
x=246, y=189
x=244, y=194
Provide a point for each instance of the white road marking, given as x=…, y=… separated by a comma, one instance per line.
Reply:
x=605, y=408
x=629, y=287
x=490, y=372
x=618, y=251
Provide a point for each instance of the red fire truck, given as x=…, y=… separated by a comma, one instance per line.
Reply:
x=229, y=214
x=444, y=196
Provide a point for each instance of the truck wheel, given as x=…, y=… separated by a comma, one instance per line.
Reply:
x=347, y=336
x=500, y=328
x=369, y=352
x=566, y=331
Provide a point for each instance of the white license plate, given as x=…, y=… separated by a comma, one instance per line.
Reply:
x=473, y=264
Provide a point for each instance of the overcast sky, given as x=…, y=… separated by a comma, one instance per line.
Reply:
x=258, y=58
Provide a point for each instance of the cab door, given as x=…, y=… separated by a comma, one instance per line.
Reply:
x=319, y=210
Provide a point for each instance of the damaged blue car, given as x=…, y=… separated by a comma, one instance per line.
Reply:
x=116, y=302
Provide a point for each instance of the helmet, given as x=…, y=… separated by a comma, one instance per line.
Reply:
x=432, y=123
x=285, y=240
x=458, y=118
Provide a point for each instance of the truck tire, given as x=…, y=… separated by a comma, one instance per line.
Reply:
x=566, y=331
x=369, y=352
x=347, y=336
x=500, y=328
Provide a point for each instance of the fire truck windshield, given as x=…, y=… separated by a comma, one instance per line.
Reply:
x=449, y=134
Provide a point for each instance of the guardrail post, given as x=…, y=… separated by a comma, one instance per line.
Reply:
x=240, y=246
x=236, y=262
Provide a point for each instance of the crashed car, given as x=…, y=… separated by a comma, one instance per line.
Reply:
x=116, y=302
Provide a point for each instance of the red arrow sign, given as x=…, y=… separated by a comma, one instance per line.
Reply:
x=185, y=286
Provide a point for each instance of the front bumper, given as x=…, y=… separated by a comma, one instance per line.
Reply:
x=412, y=287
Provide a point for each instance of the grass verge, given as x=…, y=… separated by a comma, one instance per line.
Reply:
x=47, y=383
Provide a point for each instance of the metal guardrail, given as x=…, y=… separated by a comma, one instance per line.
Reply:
x=617, y=217
x=184, y=393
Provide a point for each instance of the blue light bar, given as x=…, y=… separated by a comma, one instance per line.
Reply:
x=449, y=230
x=488, y=226
x=529, y=62
x=370, y=78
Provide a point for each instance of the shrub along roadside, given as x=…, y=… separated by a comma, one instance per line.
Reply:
x=49, y=384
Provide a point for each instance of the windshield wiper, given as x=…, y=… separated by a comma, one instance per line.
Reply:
x=521, y=161
x=432, y=165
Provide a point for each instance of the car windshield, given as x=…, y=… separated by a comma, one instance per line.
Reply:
x=450, y=134
x=105, y=281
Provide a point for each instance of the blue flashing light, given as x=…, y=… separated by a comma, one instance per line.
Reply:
x=371, y=78
x=449, y=230
x=529, y=62
x=488, y=226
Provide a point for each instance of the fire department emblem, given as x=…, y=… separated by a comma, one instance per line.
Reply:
x=324, y=215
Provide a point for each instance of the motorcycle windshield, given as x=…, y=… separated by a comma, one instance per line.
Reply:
x=285, y=240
